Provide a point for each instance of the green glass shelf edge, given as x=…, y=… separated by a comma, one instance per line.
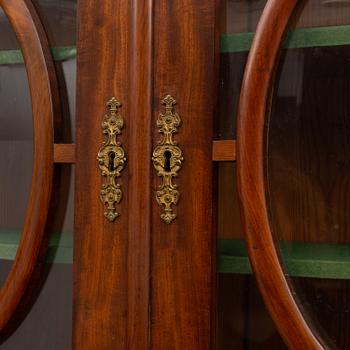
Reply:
x=61, y=53
x=60, y=249
x=298, y=38
x=315, y=260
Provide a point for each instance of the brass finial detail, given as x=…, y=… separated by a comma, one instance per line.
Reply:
x=111, y=159
x=167, y=159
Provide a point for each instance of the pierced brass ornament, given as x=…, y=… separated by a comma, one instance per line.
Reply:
x=111, y=159
x=167, y=159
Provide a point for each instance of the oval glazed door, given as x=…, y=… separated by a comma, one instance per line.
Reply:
x=293, y=156
x=44, y=102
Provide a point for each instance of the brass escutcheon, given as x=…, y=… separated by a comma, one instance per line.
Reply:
x=167, y=159
x=111, y=159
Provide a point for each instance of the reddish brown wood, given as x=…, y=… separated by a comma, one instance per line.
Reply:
x=64, y=153
x=111, y=271
x=254, y=105
x=182, y=252
x=43, y=90
x=140, y=94
x=224, y=151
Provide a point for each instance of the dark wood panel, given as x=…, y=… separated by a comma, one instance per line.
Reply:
x=111, y=273
x=254, y=105
x=183, y=281
x=21, y=280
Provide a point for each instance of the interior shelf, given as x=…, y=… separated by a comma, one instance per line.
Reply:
x=60, y=247
x=61, y=53
x=299, y=38
x=241, y=42
x=316, y=260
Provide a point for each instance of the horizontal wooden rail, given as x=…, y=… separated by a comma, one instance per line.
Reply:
x=298, y=38
x=224, y=151
x=64, y=153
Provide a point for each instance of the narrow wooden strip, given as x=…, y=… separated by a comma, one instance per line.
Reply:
x=224, y=151
x=139, y=209
x=299, y=38
x=64, y=153
x=61, y=53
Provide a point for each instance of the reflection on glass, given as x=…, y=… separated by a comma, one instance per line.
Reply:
x=16, y=142
x=59, y=20
x=48, y=323
x=244, y=323
x=308, y=172
x=321, y=23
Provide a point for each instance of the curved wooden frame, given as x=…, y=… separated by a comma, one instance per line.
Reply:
x=254, y=106
x=45, y=103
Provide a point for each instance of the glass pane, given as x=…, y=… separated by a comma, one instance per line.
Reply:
x=243, y=321
x=238, y=19
x=48, y=321
x=323, y=22
x=307, y=164
x=48, y=324
x=16, y=142
x=59, y=20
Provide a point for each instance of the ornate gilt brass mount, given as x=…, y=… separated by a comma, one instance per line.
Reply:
x=167, y=159
x=111, y=159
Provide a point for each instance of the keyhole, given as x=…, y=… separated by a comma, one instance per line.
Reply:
x=167, y=156
x=111, y=157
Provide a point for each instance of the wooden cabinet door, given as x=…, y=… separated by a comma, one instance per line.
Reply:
x=141, y=282
x=37, y=57
x=152, y=188
x=292, y=135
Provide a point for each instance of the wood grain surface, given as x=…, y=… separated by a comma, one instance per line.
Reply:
x=111, y=272
x=224, y=151
x=64, y=153
x=183, y=280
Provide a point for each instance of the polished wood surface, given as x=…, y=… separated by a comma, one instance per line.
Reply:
x=45, y=106
x=254, y=105
x=140, y=102
x=111, y=272
x=183, y=280
x=224, y=151
x=64, y=153
x=140, y=283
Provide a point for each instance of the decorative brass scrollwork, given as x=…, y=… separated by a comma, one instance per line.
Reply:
x=167, y=159
x=111, y=159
